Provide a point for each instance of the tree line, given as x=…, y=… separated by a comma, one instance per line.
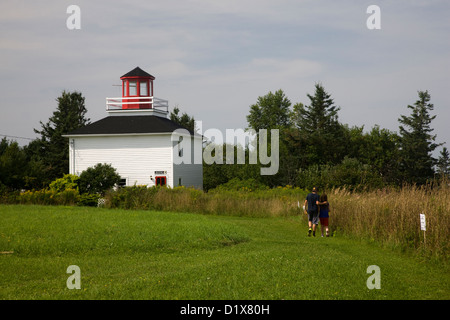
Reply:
x=315, y=148
x=45, y=158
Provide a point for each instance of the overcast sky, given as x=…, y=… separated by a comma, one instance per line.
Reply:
x=214, y=58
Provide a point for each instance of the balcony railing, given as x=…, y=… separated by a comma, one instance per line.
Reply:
x=152, y=102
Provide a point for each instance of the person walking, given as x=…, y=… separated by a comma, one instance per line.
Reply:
x=324, y=213
x=312, y=206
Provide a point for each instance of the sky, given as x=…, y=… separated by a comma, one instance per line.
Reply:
x=213, y=59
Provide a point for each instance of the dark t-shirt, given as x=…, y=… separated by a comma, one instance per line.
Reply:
x=323, y=211
x=312, y=198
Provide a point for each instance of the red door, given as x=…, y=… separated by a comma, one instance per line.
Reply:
x=160, y=181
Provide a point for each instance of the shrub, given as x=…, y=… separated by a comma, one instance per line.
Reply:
x=98, y=179
x=350, y=173
x=135, y=197
x=49, y=197
x=237, y=184
x=8, y=197
x=67, y=182
x=68, y=197
x=89, y=200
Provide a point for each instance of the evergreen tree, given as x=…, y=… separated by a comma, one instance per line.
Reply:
x=53, y=147
x=443, y=164
x=184, y=120
x=417, y=141
x=12, y=165
x=321, y=136
x=36, y=174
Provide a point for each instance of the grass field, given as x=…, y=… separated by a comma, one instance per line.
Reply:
x=126, y=254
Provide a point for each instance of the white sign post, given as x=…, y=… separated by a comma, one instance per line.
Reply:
x=423, y=226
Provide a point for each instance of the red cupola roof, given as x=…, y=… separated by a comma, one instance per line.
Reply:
x=137, y=73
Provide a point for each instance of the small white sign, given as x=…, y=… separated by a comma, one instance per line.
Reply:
x=423, y=225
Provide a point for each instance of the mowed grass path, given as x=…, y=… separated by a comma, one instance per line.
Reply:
x=162, y=255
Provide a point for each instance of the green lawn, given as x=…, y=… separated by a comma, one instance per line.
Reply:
x=161, y=255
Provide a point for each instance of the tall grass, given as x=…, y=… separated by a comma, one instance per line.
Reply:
x=244, y=202
x=391, y=216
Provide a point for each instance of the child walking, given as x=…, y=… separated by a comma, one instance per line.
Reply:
x=311, y=204
x=324, y=210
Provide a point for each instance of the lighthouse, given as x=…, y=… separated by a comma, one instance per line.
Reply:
x=137, y=95
x=136, y=138
x=137, y=89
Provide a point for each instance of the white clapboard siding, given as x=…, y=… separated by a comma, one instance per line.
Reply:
x=135, y=157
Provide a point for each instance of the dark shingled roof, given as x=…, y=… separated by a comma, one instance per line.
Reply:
x=137, y=72
x=128, y=124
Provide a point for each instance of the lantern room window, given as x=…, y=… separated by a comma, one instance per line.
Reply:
x=132, y=90
x=143, y=89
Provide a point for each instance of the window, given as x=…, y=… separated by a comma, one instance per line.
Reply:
x=160, y=181
x=124, y=88
x=132, y=88
x=143, y=88
x=122, y=182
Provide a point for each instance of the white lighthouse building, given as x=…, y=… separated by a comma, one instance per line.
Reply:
x=136, y=138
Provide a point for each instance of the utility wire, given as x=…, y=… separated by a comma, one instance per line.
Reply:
x=5, y=135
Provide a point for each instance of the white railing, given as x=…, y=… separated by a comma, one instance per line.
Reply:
x=153, y=102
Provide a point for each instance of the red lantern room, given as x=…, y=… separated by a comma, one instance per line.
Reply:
x=137, y=89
